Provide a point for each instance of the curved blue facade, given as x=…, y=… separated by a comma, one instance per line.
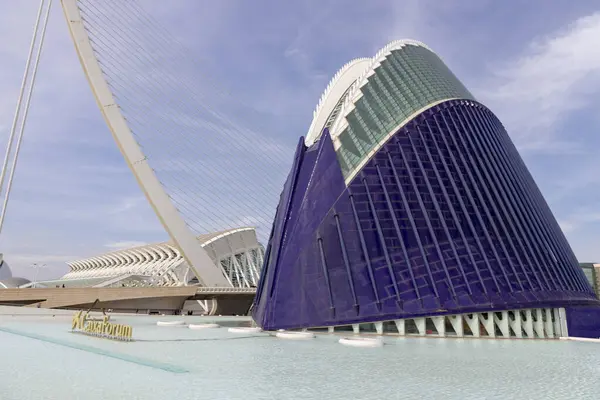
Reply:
x=443, y=219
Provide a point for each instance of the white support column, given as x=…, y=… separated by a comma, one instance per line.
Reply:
x=549, y=326
x=502, y=323
x=21, y=93
x=245, y=266
x=356, y=329
x=515, y=323
x=330, y=329
x=420, y=323
x=259, y=259
x=235, y=270
x=457, y=324
x=488, y=323
x=203, y=305
x=558, y=327
x=400, y=326
x=227, y=274
x=538, y=323
x=379, y=328
x=252, y=268
x=213, y=307
x=19, y=102
x=239, y=270
x=528, y=324
x=440, y=325
x=473, y=323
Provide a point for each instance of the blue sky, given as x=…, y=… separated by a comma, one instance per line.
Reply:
x=535, y=64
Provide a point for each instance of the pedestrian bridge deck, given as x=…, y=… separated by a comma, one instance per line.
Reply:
x=118, y=298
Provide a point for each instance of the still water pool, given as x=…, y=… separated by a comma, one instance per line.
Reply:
x=41, y=359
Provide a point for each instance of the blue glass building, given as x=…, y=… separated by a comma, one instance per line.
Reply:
x=407, y=199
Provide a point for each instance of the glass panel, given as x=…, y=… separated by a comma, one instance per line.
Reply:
x=407, y=81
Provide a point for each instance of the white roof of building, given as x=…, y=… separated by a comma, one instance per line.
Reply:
x=235, y=251
x=341, y=92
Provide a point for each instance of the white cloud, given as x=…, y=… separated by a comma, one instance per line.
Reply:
x=125, y=244
x=567, y=226
x=41, y=258
x=49, y=265
x=555, y=76
x=568, y=185
x=127, y=204
x=578, y=219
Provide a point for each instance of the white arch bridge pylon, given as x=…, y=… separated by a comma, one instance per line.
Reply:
x=208, y=270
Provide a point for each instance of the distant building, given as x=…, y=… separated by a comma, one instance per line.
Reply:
x=236, y=252
x=13, y=283
x=5, y=272
x=592, y=273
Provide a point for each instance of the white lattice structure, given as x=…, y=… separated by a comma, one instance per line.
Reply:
x=236, y=253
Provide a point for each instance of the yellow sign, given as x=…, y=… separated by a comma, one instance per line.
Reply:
x=102, y=328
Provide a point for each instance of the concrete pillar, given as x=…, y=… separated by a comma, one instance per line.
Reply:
x=379, y=328
x=515, y=324
x=538, y=323
x=400, y=326
x=457, y=324
x=356, y=328
x=440, y=325
x=420, y=323
x=549, y=326
x=473, y=322
x=528, y=324
x=564, y=328
x=502, y=323
x=557, y=327
x=487, y=319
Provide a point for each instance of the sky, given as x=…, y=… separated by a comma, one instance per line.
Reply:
x=536, y=64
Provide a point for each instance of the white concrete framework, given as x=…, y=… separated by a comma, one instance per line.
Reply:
x=538, y=323
x=344, y=90
x=331, y=100
x=184, y=241
x=235, y=253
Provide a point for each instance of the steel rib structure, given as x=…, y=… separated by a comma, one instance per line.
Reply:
x=236, y=252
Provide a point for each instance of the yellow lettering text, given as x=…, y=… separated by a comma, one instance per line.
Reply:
x=102, y=327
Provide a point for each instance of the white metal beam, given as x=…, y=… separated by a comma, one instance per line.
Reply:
x=203, y=267
x=13, y=128
x=25, y=113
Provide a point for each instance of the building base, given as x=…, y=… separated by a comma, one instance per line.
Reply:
x=537, y=323
x=583, y=322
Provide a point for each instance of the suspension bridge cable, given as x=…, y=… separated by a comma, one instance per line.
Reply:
x=25, y=113
x=216, y=171
x=13, y=128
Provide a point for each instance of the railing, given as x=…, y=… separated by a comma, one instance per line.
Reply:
x=202, y=290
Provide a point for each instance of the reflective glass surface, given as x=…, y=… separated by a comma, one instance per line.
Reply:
x=406, y=81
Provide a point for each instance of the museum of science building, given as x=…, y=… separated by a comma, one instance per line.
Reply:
x=408, y=209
